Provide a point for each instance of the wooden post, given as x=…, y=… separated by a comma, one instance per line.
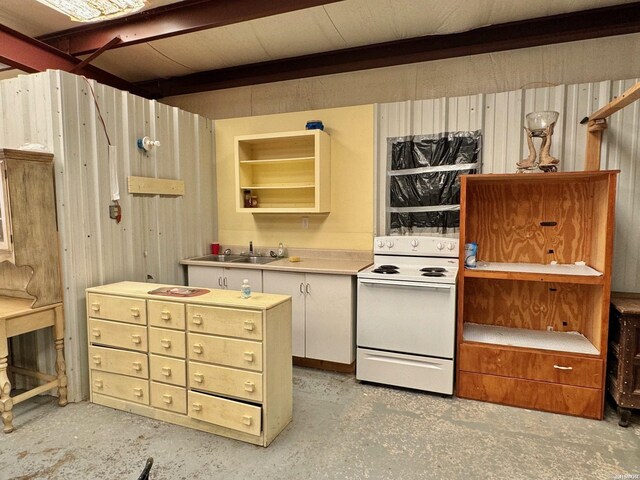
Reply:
x=6, y=403
x=594, y=143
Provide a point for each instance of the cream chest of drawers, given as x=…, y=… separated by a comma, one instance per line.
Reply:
x=214, y=362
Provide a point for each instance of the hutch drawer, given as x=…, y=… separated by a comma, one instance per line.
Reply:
x=120, y=386
x=133, y=337
x=226, y=413
x=118, y=361
x=225, y=351
x=166, y=314
x=226, y=381
x=168, y=370
x=122, y=309
x=227, y=322
x=168, y=397
x=167, y=342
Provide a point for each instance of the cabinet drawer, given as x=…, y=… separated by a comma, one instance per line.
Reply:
x=169, y=398
x=121, y=309
x=225, y=351
x=167, y=342
x=168, y=370
x=119, y=386
x=133, y=337
x=166, y=314
x=118, y=361
x=226, y=381
x=226, y=413
x=580, y=401
x=228, y=322
x=551, y=367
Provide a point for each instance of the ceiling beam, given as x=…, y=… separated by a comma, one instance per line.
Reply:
x=31, y=56
x=595, y=23
x=169, y=20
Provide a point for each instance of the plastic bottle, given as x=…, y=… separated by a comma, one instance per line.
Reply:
x=245, y=289
x=280, y=250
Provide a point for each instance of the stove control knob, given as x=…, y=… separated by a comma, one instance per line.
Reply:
x=414, y=243
x=450, y=246
x=440, y=245
x=389, y=243
x=380, y=243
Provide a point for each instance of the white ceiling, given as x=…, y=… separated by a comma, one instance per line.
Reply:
x=345, y=24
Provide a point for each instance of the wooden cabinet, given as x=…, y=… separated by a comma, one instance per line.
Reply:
x=323, y=313
x=214, y=362
x=286, y=172
x=533, y=314
x=225, y=278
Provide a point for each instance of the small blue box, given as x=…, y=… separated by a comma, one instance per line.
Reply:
x=314, y=125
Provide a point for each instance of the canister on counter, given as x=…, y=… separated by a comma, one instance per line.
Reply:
x=470, y=252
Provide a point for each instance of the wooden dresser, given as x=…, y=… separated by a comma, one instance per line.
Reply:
x=623, y=366
x=214, y=362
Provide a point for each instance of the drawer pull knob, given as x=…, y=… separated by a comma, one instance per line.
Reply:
x=97, y=360
x=137, y=392
x=197, y=319
x=168, y=399
x=95, y=332
x=197, y=348
x=95, y=307
x=137, y=366
x=98, y=384
x=247, y=420
x=248, y=357
x=136, y=339
x=196, y=407
x=249, y=386
x=166, y=371
x=166, y=343
x=165, y=315
x=560, y=367
x=198, y=377
x=249, y=325
x=135, y=312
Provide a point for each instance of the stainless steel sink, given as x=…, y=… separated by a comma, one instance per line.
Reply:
x=256, y=260
x=218, y=258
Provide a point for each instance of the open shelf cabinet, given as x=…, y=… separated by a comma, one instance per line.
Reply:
x=288, y=172
x=533, y=315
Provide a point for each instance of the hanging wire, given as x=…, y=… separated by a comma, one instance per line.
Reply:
x=95, y=101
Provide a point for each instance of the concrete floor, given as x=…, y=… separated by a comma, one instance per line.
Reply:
x=341, y=430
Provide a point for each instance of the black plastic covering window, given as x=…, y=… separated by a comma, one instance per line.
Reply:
x=439, y=186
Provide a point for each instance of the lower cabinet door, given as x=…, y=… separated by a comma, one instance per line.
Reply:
x=168, y=397
x=226, y=413
x=226, y=381
x=119, y=386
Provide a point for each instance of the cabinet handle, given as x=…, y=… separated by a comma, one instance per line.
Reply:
x=165, y=315
x=168, y=399
x=198, y=377
x=166, y=343
x=247, y=420
x=302, y=288
x=197, y=319
x=560, y=367
x=136, y=339
x=308, y=289
x=96, y=332
x=137, y=392
x=224, y=282
x=97, y=360
x=197, y=348
x=135, y=312
x=196, y=407
x=137, y=366
x=95, y=307
x=249, y=386
x=98, y=384
x=166, y=371
x=249, y=325
x=220, y=281
x=248, y=357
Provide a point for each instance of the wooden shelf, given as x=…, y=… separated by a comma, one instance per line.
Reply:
x=559, y=273
x=277, y=187
x=272, y=161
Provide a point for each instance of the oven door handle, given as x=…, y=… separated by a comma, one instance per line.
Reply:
x=396, y=283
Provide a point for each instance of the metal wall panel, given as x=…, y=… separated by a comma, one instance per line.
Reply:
x=501, y=117
x=57, y=110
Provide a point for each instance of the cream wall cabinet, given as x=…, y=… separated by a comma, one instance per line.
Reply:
x=287, y=172
x=215, y=362
x=323, y=313
x=225, y=278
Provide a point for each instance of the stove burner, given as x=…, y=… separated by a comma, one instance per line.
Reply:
x=385, y=270
x=388, y=267
x=433, y=274
x=433, y=270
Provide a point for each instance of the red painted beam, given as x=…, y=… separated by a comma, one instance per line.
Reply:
x=31, y=56
x=169, y=20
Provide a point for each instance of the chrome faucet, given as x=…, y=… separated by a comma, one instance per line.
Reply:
x=227, y=252
x=251, y=248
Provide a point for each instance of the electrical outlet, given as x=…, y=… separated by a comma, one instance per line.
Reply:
x=550, y=328
x=305, y=222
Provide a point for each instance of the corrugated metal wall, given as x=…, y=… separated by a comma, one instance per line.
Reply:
x=57, y=110
x=500, y=116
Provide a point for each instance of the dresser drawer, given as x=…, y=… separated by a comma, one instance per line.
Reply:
x=225, y=351
x=226, y=413
x=166, y=314
x=167, y=342
x=168, y=370
x=122, y=335
x=121, y=309
x=119, y=386
x=228, y=322
x=118, y=361
x=168, y=397
x=226, y=381
x=546, y=367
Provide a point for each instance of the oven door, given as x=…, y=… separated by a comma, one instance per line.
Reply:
x=406, y=317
